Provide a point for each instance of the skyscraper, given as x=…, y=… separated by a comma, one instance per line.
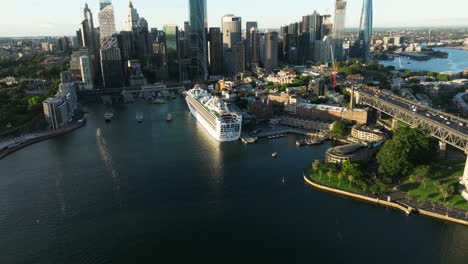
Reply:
x=86, y=75
x=248, y=52
x=172, y=53
x=132, y=18
x=232, y=30
x=271, y=50
x=232, y=35
x=90, y=40
x=361, y=48
x=216, y=51
x=198, y=40
x=111, y=63
x=254, y=48
x=106, y=19
x=338, y=30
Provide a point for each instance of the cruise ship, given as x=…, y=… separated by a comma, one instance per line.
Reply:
x=214, y=115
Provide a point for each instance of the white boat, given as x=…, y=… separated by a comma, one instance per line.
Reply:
x=108, y=116
x=139, y=117
x=214, y=115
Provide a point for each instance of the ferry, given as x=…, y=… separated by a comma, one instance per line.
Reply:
x=139, y=117
x=159, y=101
x=108, y=116
x=214, y=115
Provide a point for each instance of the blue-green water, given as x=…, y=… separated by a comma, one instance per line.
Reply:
x=456, y=62
x=161, y=192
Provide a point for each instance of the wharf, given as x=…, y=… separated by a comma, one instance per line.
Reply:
x=277, y=132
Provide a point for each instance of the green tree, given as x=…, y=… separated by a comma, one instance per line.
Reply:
x=329, y=174
x=444, y=77
x=340, y=176
x=350, y=179
x=432, y=74
x=421, y=174
x=408, y=149
x=320, y=172
x=341, y=128
x=446, y=190
x=316, y=166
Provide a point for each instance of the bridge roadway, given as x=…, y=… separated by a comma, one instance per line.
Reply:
x=450, y=129
x=447, y=128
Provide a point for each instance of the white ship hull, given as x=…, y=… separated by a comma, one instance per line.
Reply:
x=214, y=132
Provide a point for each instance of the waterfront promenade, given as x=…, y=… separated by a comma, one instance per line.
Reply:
x=11, y=145
x=399, y=200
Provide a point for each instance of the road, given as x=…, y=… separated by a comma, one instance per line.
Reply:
x=423, y=112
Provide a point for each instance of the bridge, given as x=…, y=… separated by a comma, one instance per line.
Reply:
x=447, y=128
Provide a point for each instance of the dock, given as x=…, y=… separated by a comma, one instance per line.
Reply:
x=279, y=132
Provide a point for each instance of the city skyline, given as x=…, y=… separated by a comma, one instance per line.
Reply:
x=50, y=22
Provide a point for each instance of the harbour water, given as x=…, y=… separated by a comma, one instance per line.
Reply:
x=456, y=62
x=166, y=192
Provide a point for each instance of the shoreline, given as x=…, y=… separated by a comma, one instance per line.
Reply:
x=405, y=208
x=456, y=48
x=7, y=150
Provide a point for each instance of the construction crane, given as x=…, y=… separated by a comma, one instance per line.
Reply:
x=335, y=69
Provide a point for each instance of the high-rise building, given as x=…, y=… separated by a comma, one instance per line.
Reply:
x=86, y=76
x=271, y=50
x=135, y=75
x=79, y=37
x=361, y=48
x=326, y=26
x=106, y=19
x=132, y=18
x=216, y=51
x=254, y=48
x=111, y=64
x=232, y=35
x=143, y=43
x=338, y=29
x=172, y=53
x=90, y=40
x=59, y=110
x=248, y=52
x=238, y=53
x=198, y=40
x=75, y=63
x=232, y=30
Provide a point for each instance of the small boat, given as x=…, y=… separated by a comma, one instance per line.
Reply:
x=8, y=125
x=169, y=117
x=139, y=117
x=274, y=155
x=108, y=116
x=159, y=101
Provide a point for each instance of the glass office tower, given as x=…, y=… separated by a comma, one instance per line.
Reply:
x=198, y=40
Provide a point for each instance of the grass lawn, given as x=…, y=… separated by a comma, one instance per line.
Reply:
x=446, y=171
x=334, y=182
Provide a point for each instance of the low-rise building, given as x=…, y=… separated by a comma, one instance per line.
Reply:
x=306, y=123
x=367, y=133
x=331, y=113
x=353, y=152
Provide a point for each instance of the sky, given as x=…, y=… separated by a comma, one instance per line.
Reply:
x=63, y=17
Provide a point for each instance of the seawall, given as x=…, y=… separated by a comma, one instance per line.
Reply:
x=408, y=210
x=9, y=150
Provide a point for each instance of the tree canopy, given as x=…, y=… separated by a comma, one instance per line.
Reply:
x=407, y=149
x=341, y=128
